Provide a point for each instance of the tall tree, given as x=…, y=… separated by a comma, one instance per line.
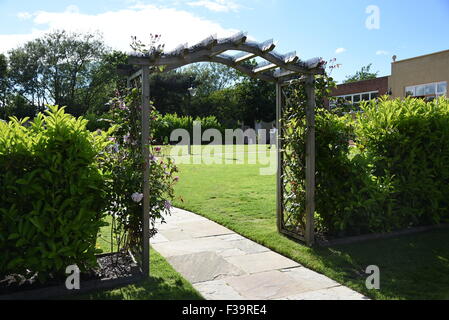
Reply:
x=52, y=69
x=3, y=81
x=170, y=92
x=256, y=98
x=210, y=77
x=363, y=74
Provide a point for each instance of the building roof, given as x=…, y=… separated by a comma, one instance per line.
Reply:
x=422, y=56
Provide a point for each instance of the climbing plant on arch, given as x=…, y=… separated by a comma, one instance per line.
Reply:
x=278, y=68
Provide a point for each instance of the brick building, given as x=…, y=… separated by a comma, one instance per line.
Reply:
x=355, y=92
x=425, y=76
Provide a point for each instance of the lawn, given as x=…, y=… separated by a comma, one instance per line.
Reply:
x=238, y=197
x=163, y=284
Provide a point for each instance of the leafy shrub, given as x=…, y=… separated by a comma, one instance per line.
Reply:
x=407, y=141
x=96, y=121
x=163, y=126
x=395, y=177
x=349, y=198
x=52, y=194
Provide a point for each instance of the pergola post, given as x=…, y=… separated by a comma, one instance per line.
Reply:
x=146, y=167
x=310, y=161
x=279, y=209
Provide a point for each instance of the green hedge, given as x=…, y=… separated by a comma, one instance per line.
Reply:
x=407, y=142
x=349, y=198
x=163, y=126
x=397, y=175
x=52, y=194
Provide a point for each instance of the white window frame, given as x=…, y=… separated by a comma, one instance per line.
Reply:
x=435, y=94
x=356, y=94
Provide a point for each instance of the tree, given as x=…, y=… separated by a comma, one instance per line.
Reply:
x=362, y=74
x=102, y=83
x=256, y=98
x=210, y=77
x=3, y=83
x=222, y=104
x=169, y=92
x=54, y=69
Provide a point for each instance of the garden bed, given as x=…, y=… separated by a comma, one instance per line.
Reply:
x=323, y=240
x=114, y=270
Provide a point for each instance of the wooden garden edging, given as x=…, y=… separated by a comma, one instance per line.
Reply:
x=380, y=236
x=89, y=286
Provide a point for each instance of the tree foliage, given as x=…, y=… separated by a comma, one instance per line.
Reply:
x=363, y=74
x=66, y=69
x=52, y=194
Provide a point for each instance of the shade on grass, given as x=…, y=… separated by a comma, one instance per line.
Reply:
x=164, y=284
x=238, y=197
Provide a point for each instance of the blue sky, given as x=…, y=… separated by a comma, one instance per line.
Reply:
x=324, y=28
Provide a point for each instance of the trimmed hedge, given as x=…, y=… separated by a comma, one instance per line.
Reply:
x=407, y=142
x=52, y=194
x=163, y=126
x=397, y=175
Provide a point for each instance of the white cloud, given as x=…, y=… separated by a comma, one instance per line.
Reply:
x=117, y=27
x=24, y=15
x=381, y=52
x=216, y=5
x=340, y=50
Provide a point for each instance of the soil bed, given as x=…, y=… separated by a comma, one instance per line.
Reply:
x=114, y=270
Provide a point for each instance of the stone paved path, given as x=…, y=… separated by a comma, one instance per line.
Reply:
x=223, y=265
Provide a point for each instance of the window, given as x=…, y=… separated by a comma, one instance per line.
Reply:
x=427, y=90
x=357, y=97
x=442, y=88
x=410, y=91
x=353, y=99
x=419, y=91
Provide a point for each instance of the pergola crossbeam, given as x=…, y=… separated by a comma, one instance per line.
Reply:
x=210, y=47
x=243, y=56
x=264, y=67
x=229, y=61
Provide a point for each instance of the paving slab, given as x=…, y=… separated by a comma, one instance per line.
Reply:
x=335, y=293
x=223, y=265
x=260, y=262
x=179, y=248
x=267, y=285
x=176, y=234
x=310, y=280
x=231, y=237
x=203, y=266
x=249, y=246
x=158, y=238
x=217, y=290
x=200, y=229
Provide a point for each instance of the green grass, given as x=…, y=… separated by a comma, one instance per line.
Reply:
x=163, y=284
x=238, y=197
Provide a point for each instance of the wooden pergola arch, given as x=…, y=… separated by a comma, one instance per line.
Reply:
x=277, y=68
